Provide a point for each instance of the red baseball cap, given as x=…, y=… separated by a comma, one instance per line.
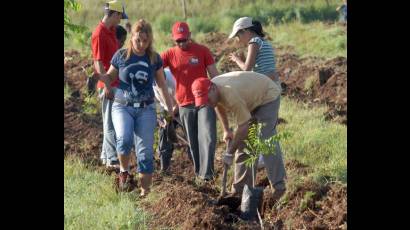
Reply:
x=180, y=30
x=200, y=88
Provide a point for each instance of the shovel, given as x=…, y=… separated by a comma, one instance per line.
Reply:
x=232, y=201
x=225, y=173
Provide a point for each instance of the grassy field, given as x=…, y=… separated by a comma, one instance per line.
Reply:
x=90, y=201
x=288, y=23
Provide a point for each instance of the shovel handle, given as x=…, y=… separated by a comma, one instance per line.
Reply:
x=225, y=173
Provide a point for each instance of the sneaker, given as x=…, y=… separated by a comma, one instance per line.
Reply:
x=126, y=182
x=113, y=164
x=206, y=179
x=144, y=193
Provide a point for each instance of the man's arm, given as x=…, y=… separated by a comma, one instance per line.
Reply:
x=213, y=72
x=99, y=67
x=98, y=46
x=107, y=78
x=221, y=113
x=240, y=135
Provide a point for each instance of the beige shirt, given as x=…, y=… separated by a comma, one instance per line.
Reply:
x=242, y=91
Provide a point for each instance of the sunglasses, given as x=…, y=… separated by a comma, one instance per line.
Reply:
x=181, y=41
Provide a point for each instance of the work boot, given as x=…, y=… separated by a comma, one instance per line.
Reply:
x=126, y=182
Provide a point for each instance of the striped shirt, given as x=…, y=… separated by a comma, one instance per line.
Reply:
x=265, y=57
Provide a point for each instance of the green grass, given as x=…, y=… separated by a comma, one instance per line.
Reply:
x=315, y=142
x=90, y=201
x=67, y=92
x=91, y=105
x=289, y=22
x=313, y=39
x=306, y=200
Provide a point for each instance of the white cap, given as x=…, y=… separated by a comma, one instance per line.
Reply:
x=241, y=23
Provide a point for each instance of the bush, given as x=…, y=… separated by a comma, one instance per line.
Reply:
x=200, y=24
x=284, y=13
x=164, y=22
x=309, y=14
x=83, y=41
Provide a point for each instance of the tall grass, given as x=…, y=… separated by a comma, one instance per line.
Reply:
x=90, y=201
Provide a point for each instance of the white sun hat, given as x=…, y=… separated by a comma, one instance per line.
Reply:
x=241, y=23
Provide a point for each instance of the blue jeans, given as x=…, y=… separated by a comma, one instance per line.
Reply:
x=129, y=121
x=108, y=153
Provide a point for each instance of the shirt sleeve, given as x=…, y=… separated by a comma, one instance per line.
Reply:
x=209, y=60
x=115, y=60
x=165, y=58
x=159, y=62
x=98, y=47
x=256, y=40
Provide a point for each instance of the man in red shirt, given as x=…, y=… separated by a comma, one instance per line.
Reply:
x=187, y=62
x=104, y=44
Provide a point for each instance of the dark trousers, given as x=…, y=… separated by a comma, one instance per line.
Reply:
x=200, y=129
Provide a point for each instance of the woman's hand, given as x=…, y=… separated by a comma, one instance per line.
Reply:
x=175, y=109
x=108, y=92
x=234, y=57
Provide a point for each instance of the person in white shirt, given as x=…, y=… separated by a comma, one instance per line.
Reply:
x=166, y=129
